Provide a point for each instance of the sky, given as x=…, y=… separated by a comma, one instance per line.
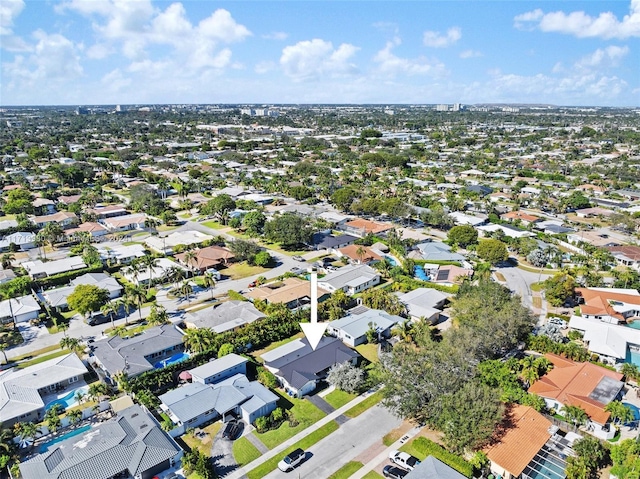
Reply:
x=92, y=52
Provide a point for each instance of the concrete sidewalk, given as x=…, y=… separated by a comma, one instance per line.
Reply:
x=241, y=472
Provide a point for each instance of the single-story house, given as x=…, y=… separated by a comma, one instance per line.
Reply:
x=450, y=274
x=219, y=369
x=626, y=255
x=39, y=269
x=69, y=199
x=600, y=238
x=328, y=241
x=95, y=230
x=22, y=390
x=63, y=218
x=57, y=298
x=298, y=367
x=435, y=251
x=109, y=211
x=44, y=206
x=585, y=385
x=292, y=292
x=424, y=303
x=23, y=240
x=209, y=257
x=158, y=272
x=143, y=352
x=224, y=317
x=361, y=227
x=610, y=305
x=124, y=223
x=132, y=444
x=166, y=244
x=121, y=254
x=352, y=329
x=432, y=468
x=510, y=231
x=612, y=342
x=24, y=308
x=524, y=218
x=465, y=219
x=6, y=275
x=359, y=254
x=592, y=212
x=351, y=279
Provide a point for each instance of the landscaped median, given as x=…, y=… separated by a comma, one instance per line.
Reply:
x=305, y=443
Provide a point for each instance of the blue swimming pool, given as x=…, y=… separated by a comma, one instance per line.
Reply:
x=45, y=446
x=634, y=324
x=68, y=400
x=391, y=260
x=176, y=358
x=418, y=272
x=633, y=357
x=636, y=412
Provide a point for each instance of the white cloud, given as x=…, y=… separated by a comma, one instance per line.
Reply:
x=99, y=51
x=9, y=10
x=471, y=54
x=604, y=57
x=264, y=67
x=437, y=40
x=580, y=24
x=387, y=27
x=312, y=59
x=391, y=65
x=281, y=36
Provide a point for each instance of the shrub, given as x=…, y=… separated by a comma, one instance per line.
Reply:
x=427, y=447
x=262, y=424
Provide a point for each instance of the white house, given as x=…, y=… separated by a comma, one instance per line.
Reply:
x=352, y=329
x=24, y=308
x=39, y=269
x=351, y=279
x=23, y=240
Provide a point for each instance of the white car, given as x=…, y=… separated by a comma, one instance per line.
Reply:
x=403, y=459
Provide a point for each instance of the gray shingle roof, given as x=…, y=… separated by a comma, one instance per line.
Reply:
x=348, y=275
x=432, y=468
x=132, y=442
x=217, y=366
x=229, y=315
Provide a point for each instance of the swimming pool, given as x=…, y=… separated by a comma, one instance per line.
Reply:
x=45, y=446
x=391, y=260
x=419, y=272
x=68, y=400
x=636, y=412
x=176, y=358
x=633, y=357
x=634, y=324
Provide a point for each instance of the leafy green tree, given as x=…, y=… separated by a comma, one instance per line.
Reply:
x=558, y=288
x=289, y=230
x=346, y=377
x=220, y=207
x=263, y=259
x=19, y=201
x=462, y=235
x=244, y=250
x=343, y=198
x=253, y=223
x=87, y=298
x=492, y=250
x=626, y=459
x=591, y=456
x=225, y=349
x=384, y=300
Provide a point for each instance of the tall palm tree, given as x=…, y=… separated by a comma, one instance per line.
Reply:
x=96, y=390
x=7, y=259
x=74, y=416
x=25, y=430
x=198, y=340
x=150, y=263
x=80, y=397
x=52, y=418
x=186, y=289
x=110, y=309
x=530, y=372
x=404, y=330
x=619, y=412
x=137, y=296
x=630, y=371
x=6, y=439
x=126, y=303
x=158, y=315
x=209, y=282
x=361, y=252
x=175, y=275
x=71, y=343
x=190, y=258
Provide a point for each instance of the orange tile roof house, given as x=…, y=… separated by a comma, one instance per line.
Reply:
x=610, y=305
x=361, y=227
x=292, y=292
x=351, y=252
x=529, y=432
x=584, y=385
x=209, y=257
x=520, y=215
x=626, y=255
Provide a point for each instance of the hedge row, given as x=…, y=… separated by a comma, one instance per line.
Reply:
x=430, y=448
x=64, y=278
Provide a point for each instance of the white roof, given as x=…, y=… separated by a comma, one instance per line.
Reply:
x=174, y=239
x=23, y=305
x=54, y=267
x=158, y=272
x=217, y=366
x=120, y=252
x=464, y=219
x=604, y=338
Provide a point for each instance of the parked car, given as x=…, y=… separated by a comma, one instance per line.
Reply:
x=297, y=270
x=231, y=430
x=292, y=460
x=298, y=258
x=253, y=284
x=403, y=459
x=558, y=322
x=394, y=472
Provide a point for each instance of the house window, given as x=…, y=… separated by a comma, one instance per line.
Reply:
x=73, y=379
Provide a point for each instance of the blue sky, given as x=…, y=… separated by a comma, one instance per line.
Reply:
x=289, y=51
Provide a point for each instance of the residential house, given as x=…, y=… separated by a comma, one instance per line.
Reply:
x=94, y=230
x=435, y=251
x=524, y=218
x=63, y=218
x=610, y=305
x=39, y=269
x=157, y=273
x=109, y=211
x=69, y=199
x=359, y=254
x=449, y=274
x=600, y=238
x=292, y=292
x=219, y=369
x=207, y=258
x=424, y=303
x=584, y=385
x=351, y=279
x=626, y=255
x=57, y=298
x=6, y=275
x=334, y=218
x=465, y=219
x=166, y=244
x=121, y=254
x=593, y=212
x=23, y=240
x=22, y=390
x=227, y=316
x=327, y=241
x=147, y=350
x=298, y=367
x=135, y=221
x=44, y=206
x=553, y=227
x=432, y=468
x=510, y=231
x=361, y=227
x=528, y=447
x=20, y=310
x=353, y=328
x=132, y=444
x=614, y=343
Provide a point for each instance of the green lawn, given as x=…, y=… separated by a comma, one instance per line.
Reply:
x=305, y=412
x=11, y=337
x=537, y=286
x=37, y=352
x=243, y=270
x=369, y=352
x=391, y=437
x=358, y=409
x=347, y=470
x=41, y=359
x=214, y=225
x=244, y=452
x=316, y=436
x=339, y=398
x=372, y=475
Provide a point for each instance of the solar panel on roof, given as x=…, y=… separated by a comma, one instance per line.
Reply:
x=442, y=275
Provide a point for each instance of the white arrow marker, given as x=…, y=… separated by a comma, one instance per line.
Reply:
x=314, y=330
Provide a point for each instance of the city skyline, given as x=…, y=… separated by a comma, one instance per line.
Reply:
x=142, y=52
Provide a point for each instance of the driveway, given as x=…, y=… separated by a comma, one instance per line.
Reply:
x=222, y=455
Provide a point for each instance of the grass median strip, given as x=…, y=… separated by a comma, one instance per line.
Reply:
x=316, y=436
x=361, y=407
x=347, y=470
x=372, y=475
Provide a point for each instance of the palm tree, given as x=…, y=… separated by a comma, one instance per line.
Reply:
x=209, y=282
x=74, y=416
x=530, y=372
x=198, y=340
x=122, y=380
x=619, y=412
x=126, y=302
x=96, y=390
x=630, y=371
x=25, y=430
x=137, y=296
x=158, y=315
x=71, y=343
x=404, y=330
x=361, y=252
x=7, y=259
x=575, y=414
x=150, y=262
x=186, y=289
x=6, y=439
x=80, y=397
x=52, y=417
x=110, y=309
x=63, y=327
x=190, y=257
x=3, y=346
